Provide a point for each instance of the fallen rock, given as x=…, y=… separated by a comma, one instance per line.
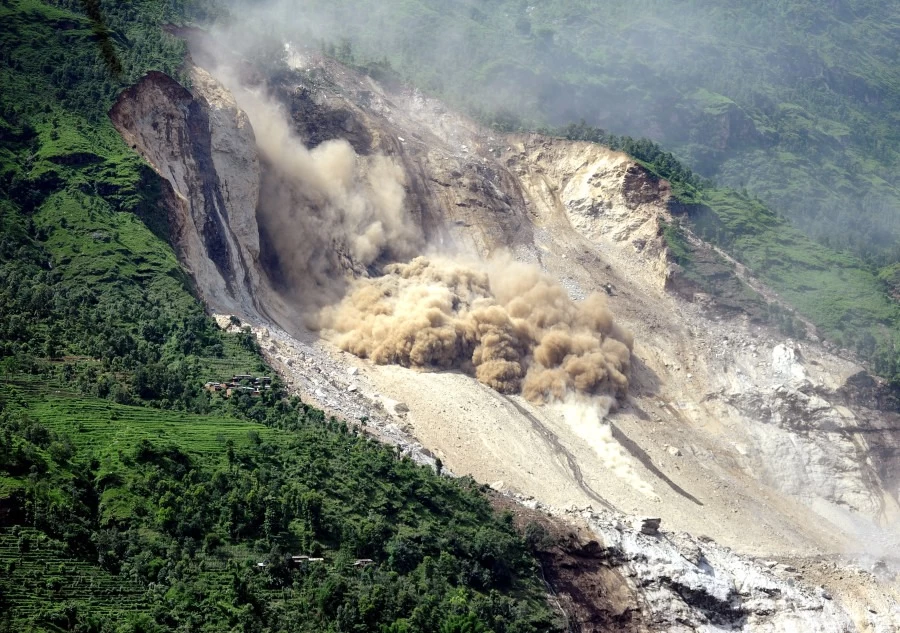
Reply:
x=648, y=525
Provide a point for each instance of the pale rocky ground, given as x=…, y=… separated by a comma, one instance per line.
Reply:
x=733, y=427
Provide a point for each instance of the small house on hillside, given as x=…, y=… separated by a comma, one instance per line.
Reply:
x=301, y=560
x=297, y=561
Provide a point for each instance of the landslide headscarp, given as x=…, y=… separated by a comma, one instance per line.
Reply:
x=203, y=148
x=762, y=443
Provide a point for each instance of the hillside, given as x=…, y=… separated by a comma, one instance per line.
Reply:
x=499, y=359
x=843, y=300
x=794, y=101
x=131, y=499
x=791, y=105
x=538, y=312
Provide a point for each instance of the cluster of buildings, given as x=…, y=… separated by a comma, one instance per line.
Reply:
x=302, y=561
x=241, y=383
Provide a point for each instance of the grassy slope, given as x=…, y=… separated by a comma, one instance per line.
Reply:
x=836, y=291
x=127, y=505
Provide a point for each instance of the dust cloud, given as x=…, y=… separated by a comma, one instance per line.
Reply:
x=584, y=416
x=326, y=212
x=332, y=216
x=504, y=322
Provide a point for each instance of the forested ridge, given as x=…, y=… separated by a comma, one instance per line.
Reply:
x=132, y=499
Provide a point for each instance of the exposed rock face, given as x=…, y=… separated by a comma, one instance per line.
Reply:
x=780, y=450
x=808, y=443
x=203, y=147
x=691, y=585
x=607, y=575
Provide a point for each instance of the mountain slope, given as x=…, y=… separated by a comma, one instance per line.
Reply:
x=780, y=451
x=728, y=429
x=131, y=498
x=794, y=101
x=789, y=104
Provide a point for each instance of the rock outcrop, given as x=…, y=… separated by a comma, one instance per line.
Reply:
x=202, y=146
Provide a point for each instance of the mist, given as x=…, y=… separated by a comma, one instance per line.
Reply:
x=744, y=94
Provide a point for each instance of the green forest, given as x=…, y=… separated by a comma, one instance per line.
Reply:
x=133, y=500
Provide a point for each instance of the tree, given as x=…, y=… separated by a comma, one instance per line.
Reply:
x=463, y=624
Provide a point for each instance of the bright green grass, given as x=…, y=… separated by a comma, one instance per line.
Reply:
x=111, y=429
x=836, y=291
x=712, y=102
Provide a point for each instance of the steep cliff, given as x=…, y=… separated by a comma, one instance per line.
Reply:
x=203, y=147
x=774, y=449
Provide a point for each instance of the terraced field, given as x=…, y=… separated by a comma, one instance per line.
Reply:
x=39, y=579
x=38, y=576
x=108, y=428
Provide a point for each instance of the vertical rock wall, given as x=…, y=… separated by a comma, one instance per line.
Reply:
x=203, y=147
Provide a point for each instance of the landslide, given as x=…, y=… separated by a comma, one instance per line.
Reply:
x=770, y=446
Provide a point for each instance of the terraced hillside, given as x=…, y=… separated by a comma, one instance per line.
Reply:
x=117, y=514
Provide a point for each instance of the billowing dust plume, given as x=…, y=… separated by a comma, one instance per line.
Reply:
x=325, y=211
x=512, y=327
x=330, y=214
x=584, y=416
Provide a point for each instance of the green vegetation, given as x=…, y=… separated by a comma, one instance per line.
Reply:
x=132, y=519
x=133, y=500
x=837, y=292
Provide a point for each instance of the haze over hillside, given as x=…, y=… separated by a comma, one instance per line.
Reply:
x=795, y=101
x=304, y=326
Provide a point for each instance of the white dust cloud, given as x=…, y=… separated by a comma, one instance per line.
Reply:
x=512, y=327
x=584, y=416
